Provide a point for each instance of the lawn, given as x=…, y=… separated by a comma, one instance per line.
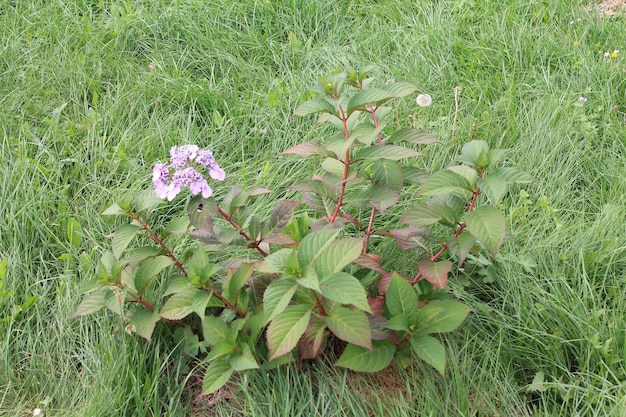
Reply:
x=94, y=92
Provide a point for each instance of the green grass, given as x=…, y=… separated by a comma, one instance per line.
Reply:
x=93, y=92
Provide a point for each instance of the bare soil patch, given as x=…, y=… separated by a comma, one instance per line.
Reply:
x=608, y=7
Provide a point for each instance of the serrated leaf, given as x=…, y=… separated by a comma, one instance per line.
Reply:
x=364, y=133
x=422, y=215
x=306, y=149
x=475, y=153
x=333, y=166
x=146, y=201
x=243, y=359
x=373, y=96
x=308, y=278
x=410, y=238
x=435, y=272
x=122, y=238
x=398, y=323
x=413, y=175
x=234, y=282
x=346, y=289
x=513, y=175
x=143, y=322
x=441, y=316
x=314, y=243
x=181, y=304
x=488, y=225
x=285, y=330
x=216, y=376
x=493, y=186
x=388, y=173
x=443, y=182
x=400, y=88
x=391, y=152
x=280, y=218
x=360, y=359
x=113, y=210
x=412, y=135
x=91, y=303
x=149, y=269
x=469, y=173
x=313, y=341
x=378, y=196
x=214, y=329
x=337, y=255
x=351, y=326
x=201, y=212
x=461, y=245
x=314, y=105
x=431, y=351
x=401, y=297
x=277, y=296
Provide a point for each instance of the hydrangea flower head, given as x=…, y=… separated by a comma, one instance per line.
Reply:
x=183, y=171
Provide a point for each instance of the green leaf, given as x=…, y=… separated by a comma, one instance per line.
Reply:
x=314, y=244
x=335, y=167
x=435, y=272
x=146, y=201
x=373, y=96
x=461, y=245
x=113, y=210
x=431, y=351
x=306, y=149
x=411, y=238
x=286, y=328
x=400, y=89
x=243, y=359
x=183, y=303
x=149, y=269
x=360, y=359
x=201, y=212
x=346, y=289
x=216, y=376
x=401, y=297
x=315, y=105
x=513, y=175
x=443, y=182
x=476, y=154
x=281, y=216
x=143, y=322
x=441, y=316
x=421, y=215
x=378, y=196
x=391, y=152
x=398, y=323
x=234, y=282
x=412, y=135
x=388, y=173
x=91, y=303
x=277, y=296
x=493, y=185
x=337, y=255
x=488, y=225
x=122, y=238
x=313, y=341
x=307, y=278
x=351, y=326
x=214, y=329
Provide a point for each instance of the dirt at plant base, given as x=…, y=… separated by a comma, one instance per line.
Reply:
x=608, y=7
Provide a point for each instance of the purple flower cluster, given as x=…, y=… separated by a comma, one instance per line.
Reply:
x=183, y=161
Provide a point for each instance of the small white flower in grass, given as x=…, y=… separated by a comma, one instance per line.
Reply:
x=37, y=411
x=583, y=99
x=424, y=100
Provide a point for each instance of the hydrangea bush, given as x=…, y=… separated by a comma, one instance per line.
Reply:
x=312, y=279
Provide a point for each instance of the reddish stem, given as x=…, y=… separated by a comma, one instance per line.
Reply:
x=368, y=233
x=346, y=167
x=155, y=238
x=254, y=244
